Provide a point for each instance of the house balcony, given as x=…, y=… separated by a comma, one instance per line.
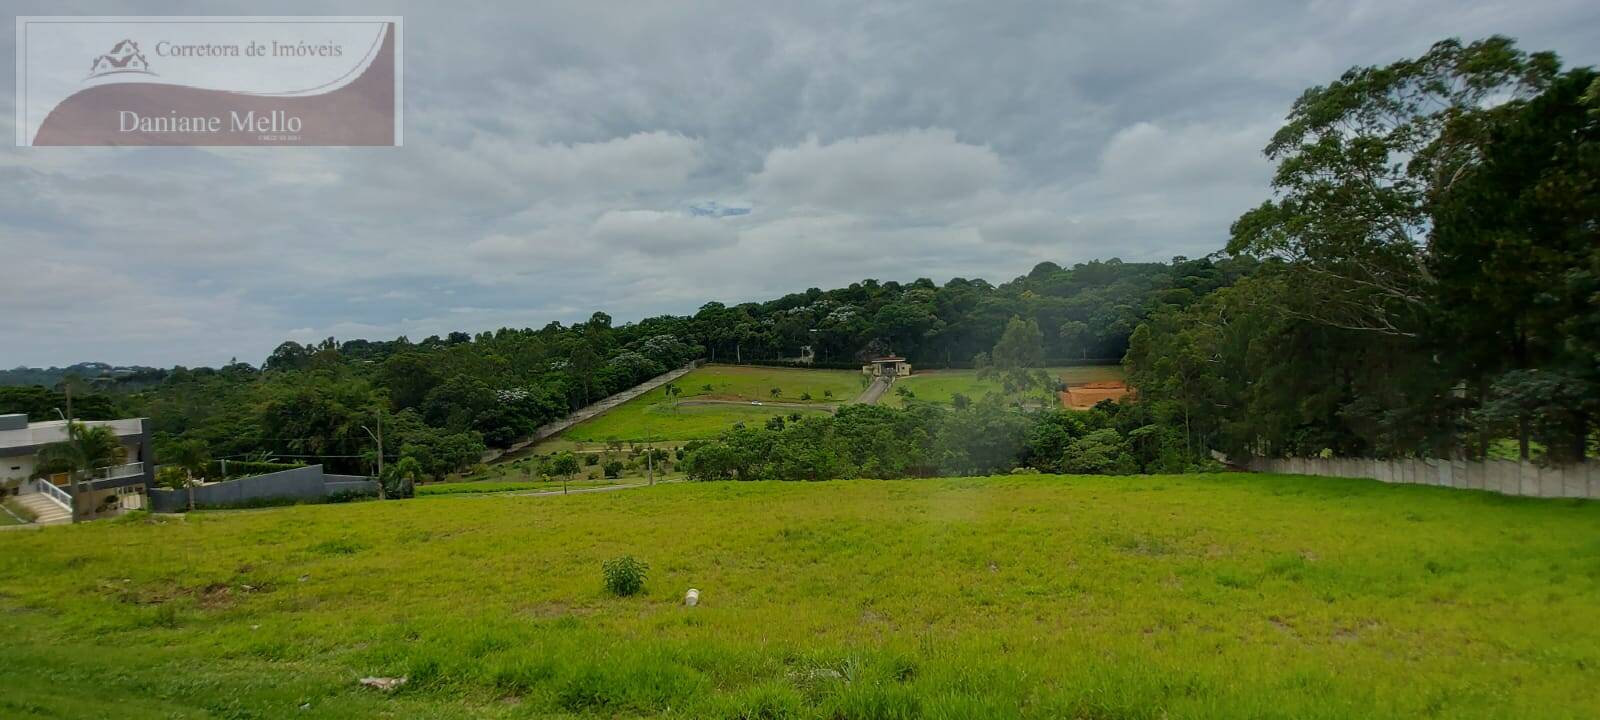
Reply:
x=103, y=477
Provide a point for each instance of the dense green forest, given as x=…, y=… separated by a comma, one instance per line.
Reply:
x=444, y=399
x=1430, y=283
x=1424, y=281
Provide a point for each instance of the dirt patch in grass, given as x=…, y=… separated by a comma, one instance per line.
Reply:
x=1087, y=395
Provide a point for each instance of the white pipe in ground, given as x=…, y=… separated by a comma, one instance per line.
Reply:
x=691, y=598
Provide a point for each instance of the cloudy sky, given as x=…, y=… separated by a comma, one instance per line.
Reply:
x=642, y=158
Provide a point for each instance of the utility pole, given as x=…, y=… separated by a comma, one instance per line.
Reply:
x=377, y=437
x=649, y=448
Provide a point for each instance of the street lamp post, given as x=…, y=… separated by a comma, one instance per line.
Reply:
x=377, y=437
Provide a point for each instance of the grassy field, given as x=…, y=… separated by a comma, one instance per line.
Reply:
x=1096, y=597
x=478, y=487
x=652, y=416
x=940, y=386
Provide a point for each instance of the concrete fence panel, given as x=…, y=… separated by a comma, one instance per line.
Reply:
x=1507, y=477
x=302, y=483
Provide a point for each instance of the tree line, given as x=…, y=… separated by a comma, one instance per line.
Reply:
x=444, y=400
x=984, y=437
x=1429, y=278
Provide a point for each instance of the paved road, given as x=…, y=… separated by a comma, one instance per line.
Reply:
x=875, y=391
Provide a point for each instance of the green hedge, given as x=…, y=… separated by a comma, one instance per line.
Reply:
x=237, y=468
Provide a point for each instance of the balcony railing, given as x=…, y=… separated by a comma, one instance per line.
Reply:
x=62, y=497
x=117, y=471
x=112, y=472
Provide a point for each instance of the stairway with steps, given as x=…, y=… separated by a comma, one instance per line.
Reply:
x=47, y=511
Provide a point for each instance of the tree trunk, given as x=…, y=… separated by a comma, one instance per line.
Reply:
x=1483, y=429
x=188, y=482
x=77, y=515
x=1580, y=436
x=1186, y=432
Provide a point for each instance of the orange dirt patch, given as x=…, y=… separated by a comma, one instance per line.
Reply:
x=1084, y=396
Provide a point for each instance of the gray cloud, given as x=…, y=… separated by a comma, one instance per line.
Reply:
x=888, y=172
x=564, y=158
x=661, y=233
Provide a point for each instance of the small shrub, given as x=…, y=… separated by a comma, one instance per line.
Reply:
x=614, y=469
x=349, y=495
x=591, y=459
x=625, y=575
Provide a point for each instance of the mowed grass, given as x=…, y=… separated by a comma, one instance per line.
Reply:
x=1222, y=596
x=478, y=487
x=941, y=386
x=652, y=417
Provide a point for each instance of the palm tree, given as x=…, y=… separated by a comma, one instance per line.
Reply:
x=403, y=476
x=86, y=448
x=192, y=457
x=672, y=391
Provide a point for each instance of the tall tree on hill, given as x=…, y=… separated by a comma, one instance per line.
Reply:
x=1516, y=241
x=1362, y=162
x=1020, y=347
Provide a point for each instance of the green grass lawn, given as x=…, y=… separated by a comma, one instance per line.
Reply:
x=477, y=487
x=940, y=386
x=1220, y=596
x=652, y=416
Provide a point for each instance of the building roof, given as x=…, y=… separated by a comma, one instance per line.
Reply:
x=53, y=431
x=891, y=358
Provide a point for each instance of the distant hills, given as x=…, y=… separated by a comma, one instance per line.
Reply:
x=97, y=373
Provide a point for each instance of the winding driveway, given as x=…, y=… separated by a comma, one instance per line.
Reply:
x=875, y=391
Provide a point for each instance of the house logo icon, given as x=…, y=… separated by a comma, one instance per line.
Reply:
x=123, y=58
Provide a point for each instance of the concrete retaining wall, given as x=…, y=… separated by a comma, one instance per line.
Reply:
x=303, y=483
x=592, y=411
x=1507, y=477
x=359, y=484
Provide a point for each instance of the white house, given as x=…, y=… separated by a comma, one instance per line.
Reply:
x=104, y=489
